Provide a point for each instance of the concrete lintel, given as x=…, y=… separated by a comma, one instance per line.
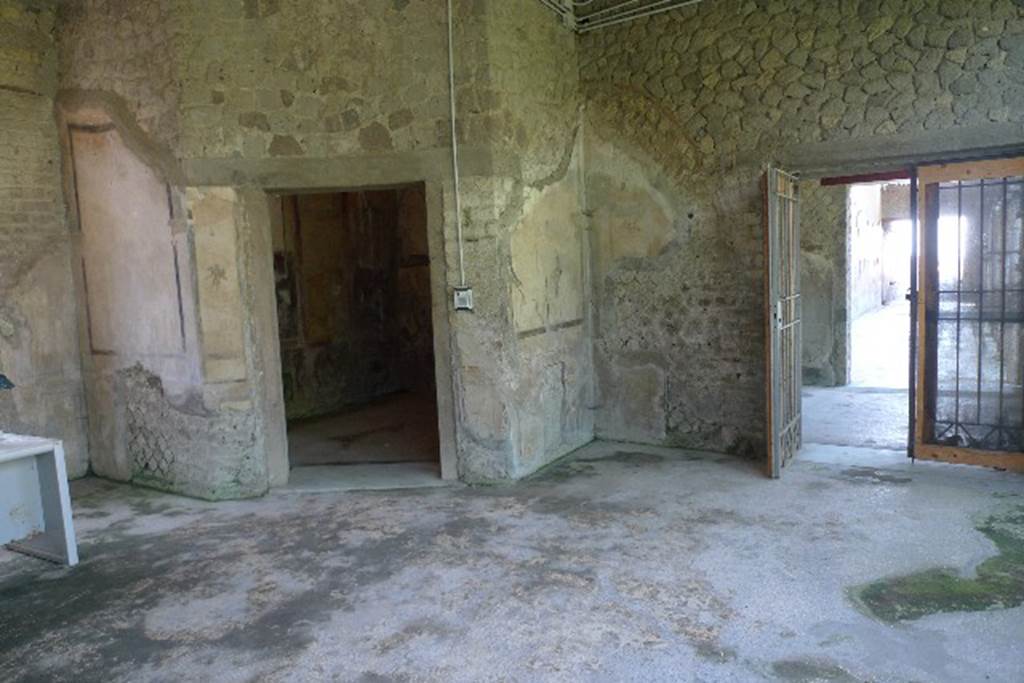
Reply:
x=884, y=152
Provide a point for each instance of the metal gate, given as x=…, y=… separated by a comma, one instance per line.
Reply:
x=970, y=391
x=783, y=317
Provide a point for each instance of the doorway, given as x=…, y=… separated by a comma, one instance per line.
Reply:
x=970, y=379
x=353, y=292
x=871, y=409
x=961, y=401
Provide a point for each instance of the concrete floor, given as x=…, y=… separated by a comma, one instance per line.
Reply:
x=401, y=427
x=620, y=563
x=856, y=416
x=375, y=477
x=872, y=411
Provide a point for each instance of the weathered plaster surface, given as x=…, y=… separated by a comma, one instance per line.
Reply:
x=249, y=103
x=38, y=340
x=166, y=325
x=700, y=98
x=539, y=232
x=867, y=239
x=824, y=280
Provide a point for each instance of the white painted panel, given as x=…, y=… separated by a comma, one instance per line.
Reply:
x=128, y=256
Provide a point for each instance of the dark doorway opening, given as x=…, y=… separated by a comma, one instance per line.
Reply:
x=352, y=282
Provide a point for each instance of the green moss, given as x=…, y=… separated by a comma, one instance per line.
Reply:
x=811, y=671
x=999, y=582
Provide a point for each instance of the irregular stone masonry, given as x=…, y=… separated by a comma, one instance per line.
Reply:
x=698, y=99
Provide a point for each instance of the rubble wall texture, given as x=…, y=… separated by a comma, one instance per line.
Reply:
x=126, y=50
x=685, y=107
x=282, y=78
x=38, y=334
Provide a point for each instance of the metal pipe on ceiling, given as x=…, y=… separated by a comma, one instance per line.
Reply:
x=622, y=13
x=575, y=16
x=564, y=12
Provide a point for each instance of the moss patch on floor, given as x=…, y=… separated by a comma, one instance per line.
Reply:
x=998, y=584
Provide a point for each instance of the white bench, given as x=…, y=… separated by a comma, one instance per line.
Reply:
x=35, y=507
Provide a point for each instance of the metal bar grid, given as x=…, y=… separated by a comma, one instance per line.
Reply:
x=981, y=315
x=583, y=16
x=912, y=408
x=786, y=304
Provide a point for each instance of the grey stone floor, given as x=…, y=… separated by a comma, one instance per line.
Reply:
x=867, y=417
x=880, y=347
x=401, y=427
x=872, y=411
x=621, y=563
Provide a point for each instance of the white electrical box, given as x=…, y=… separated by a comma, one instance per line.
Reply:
x=463, y=298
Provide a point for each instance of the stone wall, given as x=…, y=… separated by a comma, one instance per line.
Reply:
x=126, y=51
x=267, y=96
x=623, y=244
x=867, y=247
x=538, y=232
x=824, y=284
x=38, y=338
x=685, y=107
x=898, y=241
x=282, y=78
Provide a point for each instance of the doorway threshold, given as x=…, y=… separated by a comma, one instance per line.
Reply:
x=368, y=477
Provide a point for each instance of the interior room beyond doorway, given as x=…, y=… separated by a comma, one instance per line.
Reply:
x=352, y=280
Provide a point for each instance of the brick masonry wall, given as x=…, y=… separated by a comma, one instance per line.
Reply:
x=38, y=334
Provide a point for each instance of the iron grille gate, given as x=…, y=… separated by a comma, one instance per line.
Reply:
x=784, y=317
x=974, y=365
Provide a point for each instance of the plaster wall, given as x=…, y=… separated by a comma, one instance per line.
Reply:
x=38, y=340
x=682, y=111
x=896, y=219
x=262, y=97
x=164, y=326
x=541, y=233
x=867, y=249
x=824, y=283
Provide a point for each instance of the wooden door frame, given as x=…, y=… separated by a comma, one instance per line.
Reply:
x=931, y=175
